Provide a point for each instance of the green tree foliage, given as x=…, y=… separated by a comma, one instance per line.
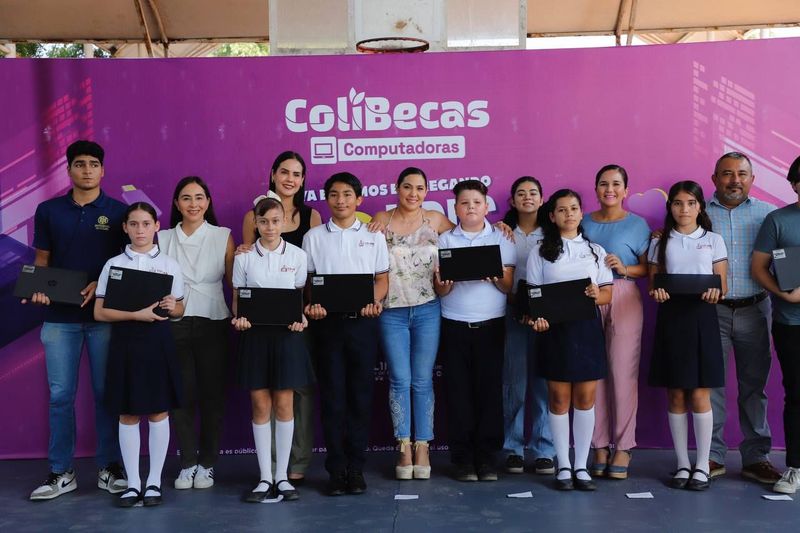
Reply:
x=242, y=50
x=55, y=50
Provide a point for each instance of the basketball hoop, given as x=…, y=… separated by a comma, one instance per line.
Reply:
x=392, y=45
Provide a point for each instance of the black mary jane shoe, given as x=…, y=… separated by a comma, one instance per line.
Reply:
x=698, y=484
x=152, y=501
x=564, y=484
x=289, y=495
x=126, y=501
x=258, y=496
x=584, y=484
x=680, y=482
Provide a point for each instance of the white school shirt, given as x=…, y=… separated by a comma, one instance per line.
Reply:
x=476, y=301
x=524, y=244
x=201, y=256
x=152, y=261
x=281, y=268
x=353, y=250
x=576, y=262
x=694, y=253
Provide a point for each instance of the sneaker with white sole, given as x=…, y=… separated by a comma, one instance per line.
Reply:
x=204, y=478
x=185, y=479
x=112, y=478
x=789, y=482
x=55, y=485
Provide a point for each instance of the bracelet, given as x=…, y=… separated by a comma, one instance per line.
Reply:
x=625, y=275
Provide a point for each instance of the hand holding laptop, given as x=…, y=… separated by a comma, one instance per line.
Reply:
x=148, y=314
x=315, y=311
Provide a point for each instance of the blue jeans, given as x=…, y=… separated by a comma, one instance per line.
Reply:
x=63, y=343
x=519, y=374
x=410, y=340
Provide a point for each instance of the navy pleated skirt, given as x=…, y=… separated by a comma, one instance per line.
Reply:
x=573, y=351
x=272, y=357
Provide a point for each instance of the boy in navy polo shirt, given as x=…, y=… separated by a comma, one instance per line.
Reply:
x=79, y=231
x=347, y=345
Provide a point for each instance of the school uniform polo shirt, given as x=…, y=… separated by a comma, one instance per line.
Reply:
x=524, y=243
x=693, y=253
x=353, y=250
x=580, y=259
x=285, y=267
x=152, y=261
x=476, y=301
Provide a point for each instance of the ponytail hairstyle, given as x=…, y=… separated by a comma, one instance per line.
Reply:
x=689, y=187
x=267, y=203
x=175, y=216
x=298, y=200
x=552, y=246
x=140, y=206
x=511, y=217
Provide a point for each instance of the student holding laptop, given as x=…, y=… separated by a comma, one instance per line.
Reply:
x=143, y=376
x=273, y=360
x=473, y=331
x=205, y=253
x=347, y=342
x=574, y=354
x=687, y=353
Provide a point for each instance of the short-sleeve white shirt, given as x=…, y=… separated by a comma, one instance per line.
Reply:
x=353, y=250
x=693, y=253
x=152, y=261
x=285, y=267
x=524, y=243
x=580, y=259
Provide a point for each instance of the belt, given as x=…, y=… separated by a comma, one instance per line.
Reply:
x=738, y=303
x=473, y=325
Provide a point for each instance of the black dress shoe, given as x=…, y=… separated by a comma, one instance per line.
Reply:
x=584, y=484
x=699, y=484
x=126, y=501
x=258, y=496
x=566, y=483
x=151, y=501
x=355, y=482
x=337, y=485
x=464, y=472
x=289, y=494
x=680, y=482
x=486, y=473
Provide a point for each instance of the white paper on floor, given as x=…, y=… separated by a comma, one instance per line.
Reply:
x=777, y=497
x=278, y=499
x=527, y=494
x=406, y=496
x=639, y=495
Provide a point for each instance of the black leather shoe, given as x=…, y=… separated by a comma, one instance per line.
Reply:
x=337, y=485
x=486, y=473
x=699, y=484
x=289, y=494
x=258, y=496
x=126, y=501
x=584, y=484
x=680, y=482
x=355, y=482
x=564, y=484
x=464, y=472
x=151, y=501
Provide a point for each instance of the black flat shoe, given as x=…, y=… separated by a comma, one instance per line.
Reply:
x=564, y=484
x=679, y=482
x=151, y=501
x=289, y=494
x=584, y=484
x=258, y=496
x=337, y=485
x=698, y=484
x=355, y=482
x=129, y=501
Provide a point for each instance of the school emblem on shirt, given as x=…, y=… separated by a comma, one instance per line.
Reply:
x=701, y=246
x=286, y=268
x=362, y=243
x=102, y=223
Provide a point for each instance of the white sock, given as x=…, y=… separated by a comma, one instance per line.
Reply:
x=263, y=439
x=158, y=443
x=129, y=442
x=283, y=446
x=679, y=428
x=559, y=425
x=703, y=427
x=582, y=429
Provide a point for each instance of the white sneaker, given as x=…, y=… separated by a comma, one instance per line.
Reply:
x=789, y=482
x=112, y=478
x=55, y=485
x=186, y=478
x=204, y=477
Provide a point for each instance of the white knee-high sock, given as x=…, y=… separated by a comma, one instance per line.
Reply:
x=158, y=443
x=582, y=429
x=559, y=425
x=263, y=439
x=679, y=428
x=703, y=427
x=283, y=446
x=129, y=442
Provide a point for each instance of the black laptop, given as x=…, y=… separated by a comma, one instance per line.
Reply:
x=687, y=284
x=342, y=293
x=129, y=289
x=270, y=307
x=561, y=302
x=786, y=263
x=60, y=285
x=470, y=263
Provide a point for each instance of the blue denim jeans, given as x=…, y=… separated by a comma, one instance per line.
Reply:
x=519, y=375
x=410, y=340
x=63, y=344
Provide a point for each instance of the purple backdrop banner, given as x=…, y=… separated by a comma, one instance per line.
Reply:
x=664, y=112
